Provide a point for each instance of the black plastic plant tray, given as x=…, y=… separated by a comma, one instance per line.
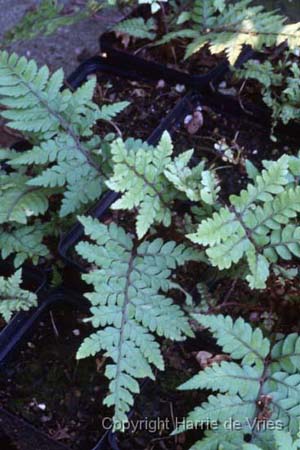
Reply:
x=142, y=68
x=17, y=434
x=126, y=65
x=18, y=430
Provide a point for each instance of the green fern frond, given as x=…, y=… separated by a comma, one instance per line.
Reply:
x=237, y=338
x=128, y=304
x=137, y=27
x=286, y=354
x=227, y=377
x=198, y=184
x=257, y=224
x=253, y=390
x=279, y=85
x=13, y=298
x=19, y=201
x=46, y=18
x=215, y=440
x=149, y=180
x=67, y=157
x=25, y=242
x=228, y=26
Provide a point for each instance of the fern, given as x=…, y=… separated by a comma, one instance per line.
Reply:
x=67, y=163
x=280, y=87
x=150, y=180
x=227, y=26
x=25, y=242
x=44, y=19
x=129, y=305
x=258, y=223
x=254, y=390
x=13, y=298
x=137, y=27
x=282, y=440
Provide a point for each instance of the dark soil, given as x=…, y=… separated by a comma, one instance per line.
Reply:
x=160, y=407
x=47, y=386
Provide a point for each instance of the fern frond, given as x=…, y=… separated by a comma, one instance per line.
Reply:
x=228, y=26
x=286, y=354
x=255, y=389
x=108, y=112
x=25, y=242
x=214, y=440
x=127, y=303
x=198, y=184
x=227, y=377
x=216, y=410
x=19, y=201
x=237, y=338
x=137, y=27
x=44, y=19
x=257, y=224
x=67, y=157
x=149, y=180
x=280, y=87
x=13, y=298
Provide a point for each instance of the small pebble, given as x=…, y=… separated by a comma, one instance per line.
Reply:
x=180, y=88
x=76, y=332
x=41, y=406
x=161, y=84
x=187, y=119
x=45, y=419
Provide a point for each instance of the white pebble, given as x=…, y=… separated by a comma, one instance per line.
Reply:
x=180, y=88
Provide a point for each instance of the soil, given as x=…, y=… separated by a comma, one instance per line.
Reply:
x=163, y=406
x=45, y=384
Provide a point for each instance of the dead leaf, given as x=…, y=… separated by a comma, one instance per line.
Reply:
x=60, y=433
x=203, y=357
x=125, y=38
x=195, y=123
x=206, y=359
x=138, y=92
